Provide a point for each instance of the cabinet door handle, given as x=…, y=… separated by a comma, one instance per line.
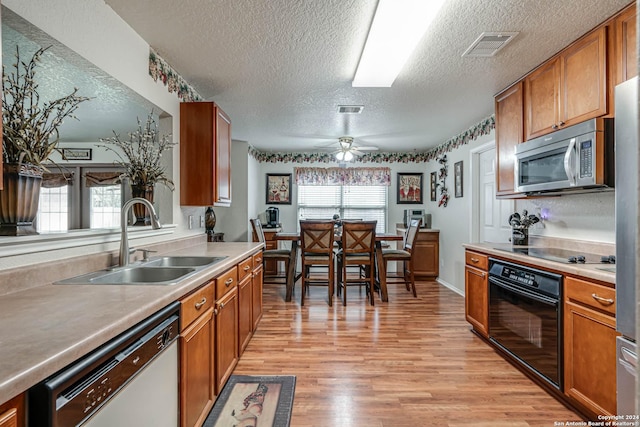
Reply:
x=246, y=268
x=259, y=260
x=562, y=123
x=606, y=301
x=554, y=126
x=201, y=303
x=476, y=260
x=228, y=281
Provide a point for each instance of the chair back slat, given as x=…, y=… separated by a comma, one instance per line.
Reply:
x=258, y=233
x=316, y=236
x=358, y=236
x=411, y=234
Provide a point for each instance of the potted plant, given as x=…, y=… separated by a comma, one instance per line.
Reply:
x=30, y=133
x=141, y=158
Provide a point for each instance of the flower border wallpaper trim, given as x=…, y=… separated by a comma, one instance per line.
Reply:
x=483, y=128
x=160, y=69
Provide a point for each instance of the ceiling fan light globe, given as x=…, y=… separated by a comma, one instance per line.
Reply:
x=340, y=156
x=347, y=156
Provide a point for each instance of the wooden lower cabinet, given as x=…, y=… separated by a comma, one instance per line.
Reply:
x=197, y=376
x=226, y=337
x=590, y=346
x=476, y=285
x=427, y=247
x=12, y=413
x=245, y=309
x=256, y=289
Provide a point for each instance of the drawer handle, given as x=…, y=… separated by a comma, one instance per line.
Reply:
x=228, y=281
x=606, y=301
x=220, y=306
x=246, y=268
x=202, y=302
x=476, y=260
x=259, y=260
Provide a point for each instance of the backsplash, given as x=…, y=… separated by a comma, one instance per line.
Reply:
x=588, y=217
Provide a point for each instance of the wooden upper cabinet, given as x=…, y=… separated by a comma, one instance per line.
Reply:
x=626, y=53
x=568, y=89
x=509, y=123
x=205, y=155
x=584, y=79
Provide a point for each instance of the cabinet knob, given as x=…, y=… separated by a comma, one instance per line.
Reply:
x=202, y=302
x=562, y=123
x=476, y=260
x=246, y=268
x=228, y=281
x=554, y=126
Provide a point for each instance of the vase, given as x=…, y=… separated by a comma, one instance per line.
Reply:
x=520, y=236
x=139, y=210
x=19, y=199
x=209, y=220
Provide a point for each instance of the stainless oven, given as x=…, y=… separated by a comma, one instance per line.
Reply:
x=575, y=158
x=525, y=317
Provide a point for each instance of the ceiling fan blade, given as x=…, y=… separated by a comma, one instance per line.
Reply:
x=367, y=148
x=356, y=152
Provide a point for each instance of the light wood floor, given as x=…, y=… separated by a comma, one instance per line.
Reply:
x=409, y=362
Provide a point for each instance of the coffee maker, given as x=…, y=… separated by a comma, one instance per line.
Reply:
x=273, y=217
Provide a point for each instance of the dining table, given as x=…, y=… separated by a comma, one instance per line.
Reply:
x=381, y=273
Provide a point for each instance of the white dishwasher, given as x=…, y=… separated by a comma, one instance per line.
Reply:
x=131, y=381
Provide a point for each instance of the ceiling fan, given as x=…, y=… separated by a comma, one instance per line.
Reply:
x=347, y=150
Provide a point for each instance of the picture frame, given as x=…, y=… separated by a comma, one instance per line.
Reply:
x=433, y=186
x=457, y=178
x=76, y=153
x=278, y=189
x=409, y=188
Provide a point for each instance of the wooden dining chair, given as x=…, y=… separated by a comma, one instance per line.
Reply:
x=357, y=249
x=406, y=255
x=276, y=255
x=316, y=242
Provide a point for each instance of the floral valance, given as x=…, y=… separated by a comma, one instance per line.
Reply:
x=97, y=179
x=343, y=176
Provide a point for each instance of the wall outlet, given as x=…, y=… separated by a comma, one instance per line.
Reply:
x=201, y=221
x=190, y=222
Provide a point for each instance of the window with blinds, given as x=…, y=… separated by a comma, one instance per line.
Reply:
x=349, y=201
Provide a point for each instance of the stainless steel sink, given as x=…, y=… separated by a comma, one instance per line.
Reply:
x=167, y=270
x=184, y=261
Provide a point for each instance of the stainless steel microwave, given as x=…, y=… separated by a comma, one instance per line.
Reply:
x=579, y=157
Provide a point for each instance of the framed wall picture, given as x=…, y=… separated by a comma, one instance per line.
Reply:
x=278, y=189
x=76, y=153
x=457, y=178
x=409, y=188
x=432, y=187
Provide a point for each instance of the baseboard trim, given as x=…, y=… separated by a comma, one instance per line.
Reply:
x=450, y=286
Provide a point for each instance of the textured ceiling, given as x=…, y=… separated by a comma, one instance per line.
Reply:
x=280, y=68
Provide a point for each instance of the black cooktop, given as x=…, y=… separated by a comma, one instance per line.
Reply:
x=562, y=255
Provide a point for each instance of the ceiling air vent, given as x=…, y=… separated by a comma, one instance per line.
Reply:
x=489, y=43
x=350, y=109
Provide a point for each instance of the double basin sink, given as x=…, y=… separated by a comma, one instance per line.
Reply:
x=167, y=270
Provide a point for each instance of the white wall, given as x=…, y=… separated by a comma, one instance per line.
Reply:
x=234, y=221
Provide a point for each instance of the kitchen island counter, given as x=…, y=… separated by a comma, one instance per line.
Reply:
x=45, y=328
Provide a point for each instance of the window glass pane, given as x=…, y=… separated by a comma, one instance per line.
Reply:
x=350, y=202
x=105, y=203
x=53, y=210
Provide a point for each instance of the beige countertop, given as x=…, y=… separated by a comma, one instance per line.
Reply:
x=589, y=271
x=46, y=328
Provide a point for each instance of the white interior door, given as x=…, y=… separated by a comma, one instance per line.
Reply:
x=494, y=213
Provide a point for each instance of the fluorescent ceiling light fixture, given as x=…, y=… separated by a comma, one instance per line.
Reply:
x=397, y=27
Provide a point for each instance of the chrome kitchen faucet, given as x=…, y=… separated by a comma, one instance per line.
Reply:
x=125, y=251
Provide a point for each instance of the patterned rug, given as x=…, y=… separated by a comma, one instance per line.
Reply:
x=254, y=401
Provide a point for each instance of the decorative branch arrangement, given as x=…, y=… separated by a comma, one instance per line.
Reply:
x=442, y=175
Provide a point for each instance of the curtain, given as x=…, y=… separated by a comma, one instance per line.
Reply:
x=343, y=176
x=55, y=180
x=96, y=179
